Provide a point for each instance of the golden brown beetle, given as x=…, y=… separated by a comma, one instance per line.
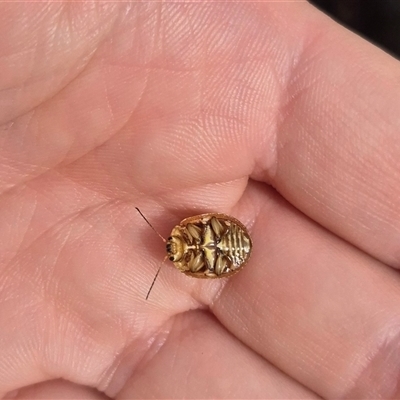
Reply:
x=207, y=246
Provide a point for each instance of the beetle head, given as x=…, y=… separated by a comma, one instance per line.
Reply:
x=175, y=248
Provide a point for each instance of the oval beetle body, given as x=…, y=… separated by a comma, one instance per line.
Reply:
x=209, y=246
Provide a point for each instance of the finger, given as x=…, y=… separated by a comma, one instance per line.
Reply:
x=316, y=307
x=56, y=389
x=337, y=142
x=200, y=359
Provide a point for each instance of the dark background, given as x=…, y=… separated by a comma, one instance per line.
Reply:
x=376, y=20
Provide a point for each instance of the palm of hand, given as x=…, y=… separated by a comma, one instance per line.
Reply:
x=126, y=115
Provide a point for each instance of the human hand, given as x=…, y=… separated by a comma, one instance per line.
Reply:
x=271, y=113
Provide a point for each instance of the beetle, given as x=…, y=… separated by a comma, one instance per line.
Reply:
x=207, y=246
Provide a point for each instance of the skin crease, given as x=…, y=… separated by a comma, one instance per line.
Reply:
x=269, y=112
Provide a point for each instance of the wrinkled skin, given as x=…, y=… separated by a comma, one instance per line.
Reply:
x=269, y=112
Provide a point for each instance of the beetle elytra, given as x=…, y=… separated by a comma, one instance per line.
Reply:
x=207, y=246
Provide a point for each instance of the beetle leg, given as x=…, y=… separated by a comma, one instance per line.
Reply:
x=217, y=226
x=197, y=263
x=194, y=231
x=220, y=264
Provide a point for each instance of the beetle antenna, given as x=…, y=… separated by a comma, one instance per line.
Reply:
x=152, y=283
x=152, y=227
x=163, y=239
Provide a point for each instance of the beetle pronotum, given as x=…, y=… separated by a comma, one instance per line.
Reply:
x=207, y=246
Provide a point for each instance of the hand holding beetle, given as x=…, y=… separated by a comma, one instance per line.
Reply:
x=270, y=113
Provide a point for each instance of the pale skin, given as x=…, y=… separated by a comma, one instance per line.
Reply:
x=269, y=112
